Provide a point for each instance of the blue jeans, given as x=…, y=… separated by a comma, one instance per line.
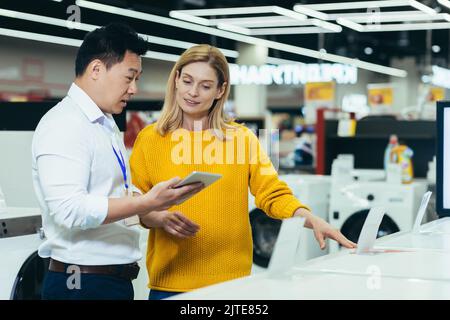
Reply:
x=91, y=287
x=158, y=294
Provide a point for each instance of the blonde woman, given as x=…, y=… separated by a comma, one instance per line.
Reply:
x=208, y=238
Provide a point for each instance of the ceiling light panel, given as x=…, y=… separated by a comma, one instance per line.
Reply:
x=402, y=27
x=317, y=26
x=369, y=4
x=400, y=17
x=242, y=38
x=311, y=12
x=73, y=42
x=445, y=3
x=300, y=30
x=90, y=27
x=373, y=20
x=244, y=25
x=242, y=11
x=356, y=23
x=40, y=37
x=266, y=21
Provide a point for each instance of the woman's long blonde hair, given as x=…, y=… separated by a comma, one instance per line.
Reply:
x=172, y=115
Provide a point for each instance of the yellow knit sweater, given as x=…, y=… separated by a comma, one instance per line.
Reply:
x=222, y=248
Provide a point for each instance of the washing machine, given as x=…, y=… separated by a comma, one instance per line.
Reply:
x=312, y=190
x=140, y=284
x=22, y=270
x=350, y=203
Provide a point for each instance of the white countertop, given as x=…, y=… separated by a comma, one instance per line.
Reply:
x=411, y=263
x=417, y=241
x=440, y=225
x=19, y=212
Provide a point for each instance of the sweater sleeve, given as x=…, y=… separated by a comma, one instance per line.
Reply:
x=272, y=195
x=138, y=164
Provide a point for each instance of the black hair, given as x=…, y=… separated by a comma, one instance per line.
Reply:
x=109, y=44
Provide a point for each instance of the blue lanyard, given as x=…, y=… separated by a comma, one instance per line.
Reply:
x=123, y=166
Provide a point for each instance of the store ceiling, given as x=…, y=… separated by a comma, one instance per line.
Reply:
x=349, y=43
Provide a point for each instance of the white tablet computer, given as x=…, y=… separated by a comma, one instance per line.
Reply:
x=197, y=176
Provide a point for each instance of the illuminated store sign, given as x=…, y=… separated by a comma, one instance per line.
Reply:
x=440, y=77
x=292, y=74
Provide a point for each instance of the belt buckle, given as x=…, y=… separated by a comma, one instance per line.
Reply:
x=130, y=271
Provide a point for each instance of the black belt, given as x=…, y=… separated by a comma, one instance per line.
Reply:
x=125, y=271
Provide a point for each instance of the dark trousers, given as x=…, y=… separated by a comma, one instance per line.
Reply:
x=58, y=286
x=159, y=295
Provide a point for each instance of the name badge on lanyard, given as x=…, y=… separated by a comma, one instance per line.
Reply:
x=123, y=167
x=133, y=220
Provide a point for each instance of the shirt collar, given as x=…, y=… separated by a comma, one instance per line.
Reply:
x=110, y=123
x=86, y=104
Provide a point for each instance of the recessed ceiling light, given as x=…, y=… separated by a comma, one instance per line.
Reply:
x=436, y=48
x=368, y=50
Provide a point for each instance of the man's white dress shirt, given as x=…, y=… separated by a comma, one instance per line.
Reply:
x=75, y=171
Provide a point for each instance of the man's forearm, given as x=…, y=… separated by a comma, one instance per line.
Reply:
x=122, y=208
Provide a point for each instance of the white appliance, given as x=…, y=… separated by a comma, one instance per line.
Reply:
x=140, y=284
x=350, y=203
x=313, y=190
x=22, y=270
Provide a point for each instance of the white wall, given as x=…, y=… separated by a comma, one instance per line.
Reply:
x=15, y=168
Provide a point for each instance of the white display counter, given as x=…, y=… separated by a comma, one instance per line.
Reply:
x=403, y=266
x=324, y=286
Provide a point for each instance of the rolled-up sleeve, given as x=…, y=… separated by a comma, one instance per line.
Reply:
x=63, y=162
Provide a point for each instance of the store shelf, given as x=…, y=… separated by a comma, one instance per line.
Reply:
x=370, y=141
x=384, y=137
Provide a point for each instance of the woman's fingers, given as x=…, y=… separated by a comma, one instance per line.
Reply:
x=181, y=226
x=320, y=238
x=339, y=237
x=189, y=223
